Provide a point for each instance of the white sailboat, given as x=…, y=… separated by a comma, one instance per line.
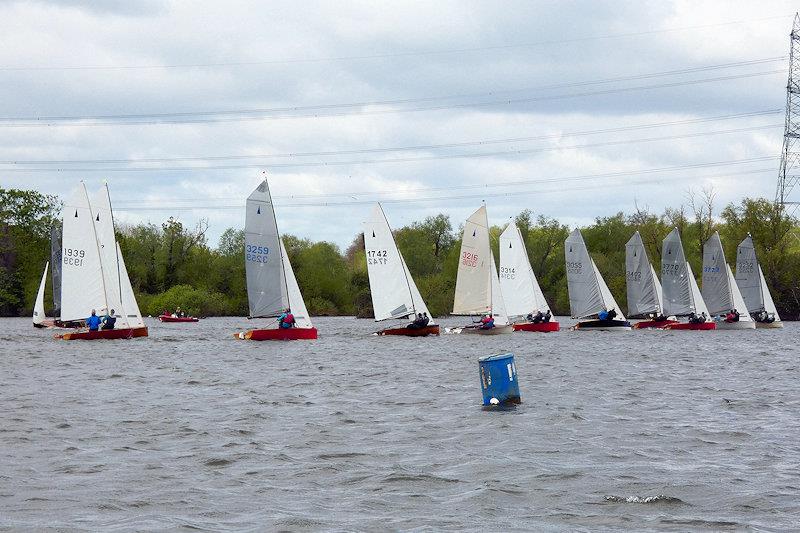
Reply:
x=394, y=293
x=39, y=318
x=271, y=284
x=93, y=275
x=720, y=291
x=681, y=295
x=753, y=286
x=521, y=291
x=478, y=289
x=589, y=296
x=645, y=296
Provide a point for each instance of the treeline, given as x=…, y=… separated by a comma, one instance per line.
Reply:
x=173, y=265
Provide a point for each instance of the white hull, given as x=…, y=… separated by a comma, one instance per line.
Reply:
x=736, y=325
x=771, y=325
x=497, y=330
x=609, y=328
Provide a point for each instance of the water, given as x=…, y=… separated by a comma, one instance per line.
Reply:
x=192, y=430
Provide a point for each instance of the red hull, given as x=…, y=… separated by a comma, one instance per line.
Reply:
x=704, y=326
x=542, y=327
x=124, y=333
x=168, y=318
x=289, y=334
x=655, y=324
x=408, y=332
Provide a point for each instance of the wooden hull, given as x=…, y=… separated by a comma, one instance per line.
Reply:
x=497, y=330
x=412, y=332
x=278, y=334
x=603, y=325
x=122, y=333
x=542, y=327
x=655, y=324
x=167, y=318
x=736, y=325
x=45, y=324
x=687, y=326
x=769, y=325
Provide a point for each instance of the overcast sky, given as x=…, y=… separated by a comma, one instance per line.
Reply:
x=430, y=107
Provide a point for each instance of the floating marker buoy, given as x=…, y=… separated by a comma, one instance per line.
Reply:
x=498, y=375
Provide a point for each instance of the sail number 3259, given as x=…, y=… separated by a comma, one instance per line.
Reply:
x=256, y=254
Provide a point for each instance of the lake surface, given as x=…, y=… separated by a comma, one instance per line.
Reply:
x=191, y=430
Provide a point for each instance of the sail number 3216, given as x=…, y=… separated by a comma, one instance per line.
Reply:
x=469, y=259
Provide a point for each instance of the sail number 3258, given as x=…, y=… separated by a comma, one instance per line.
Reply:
x=74, y=256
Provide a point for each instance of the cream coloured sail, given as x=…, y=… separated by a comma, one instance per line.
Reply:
x=521, y=291
x=720, y=291
x=295, y=299
x=769, y=304
x=132, y=316
x=394, y=293
x=82, y=281
x=642, y=284
x=473, y=294
x=498, y=304
x=588, y=292
x=751, y=282
x=38, y=307
x=266, y=280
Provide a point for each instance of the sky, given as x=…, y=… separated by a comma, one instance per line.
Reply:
x=574, y=110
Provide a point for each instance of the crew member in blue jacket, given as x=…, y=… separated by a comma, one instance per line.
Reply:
x=93, y=321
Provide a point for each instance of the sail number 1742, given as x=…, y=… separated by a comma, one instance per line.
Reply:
x=377, y=257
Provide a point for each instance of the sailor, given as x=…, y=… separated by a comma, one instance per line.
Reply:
x=178, y=313
x=109, y=320
x=286, y=320
x=603, y=315
x=538, y=318
x=426, y=319
x=547, y=316
x=487, y=322
x=93, y=321
x=612, y=314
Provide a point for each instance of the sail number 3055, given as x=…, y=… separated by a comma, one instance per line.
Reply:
x=377, y=257
x=256, y=254
x=73, y=256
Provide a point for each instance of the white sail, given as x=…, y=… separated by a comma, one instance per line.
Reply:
x=38, y=307
x=659, y=290
x=107, y=247
x=769, y=304
x=736, y=297
x=132, y=316
x=697, y=304
x=521, y=291
x=82, y=281
x=719, y=289
x=675, y=277
x=585, y=298
x=473, y=283
x=498, y=304
x=266, y=280
x=747, y=275
x=394, y=293
x=295, y=299
x=642, y=285
x=609, y=302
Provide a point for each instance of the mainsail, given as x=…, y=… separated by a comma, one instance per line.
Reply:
x=588, y=292
x=38, y=307
x=394, y=293
x=474, y=282
x=82, y=280
x=55, y=267
x=750, y=279
x=720, y=291
x=521, y=291
x=675, y=277
x=266, y=281
x=644, y=290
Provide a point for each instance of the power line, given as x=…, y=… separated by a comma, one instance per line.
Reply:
x=44, y=68
x=122, y=120
x=395, y=159
x=462, y=144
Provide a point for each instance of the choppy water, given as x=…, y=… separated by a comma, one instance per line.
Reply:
x=191, y=430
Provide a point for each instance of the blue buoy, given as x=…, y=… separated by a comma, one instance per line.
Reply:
x=499, y=379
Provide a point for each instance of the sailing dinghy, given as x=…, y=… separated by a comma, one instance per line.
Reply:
x=645, y=297
x=753, y=286
x=394, y=293
x=478, y=291
x=589, y=296
x=93, y=274
x=271, y=285
x=720, y=290
x=521, y=291
x=681, y=294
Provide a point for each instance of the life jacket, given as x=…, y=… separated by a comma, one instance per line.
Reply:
x=289, y=318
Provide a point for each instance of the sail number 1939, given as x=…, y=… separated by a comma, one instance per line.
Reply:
x=73, y=256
